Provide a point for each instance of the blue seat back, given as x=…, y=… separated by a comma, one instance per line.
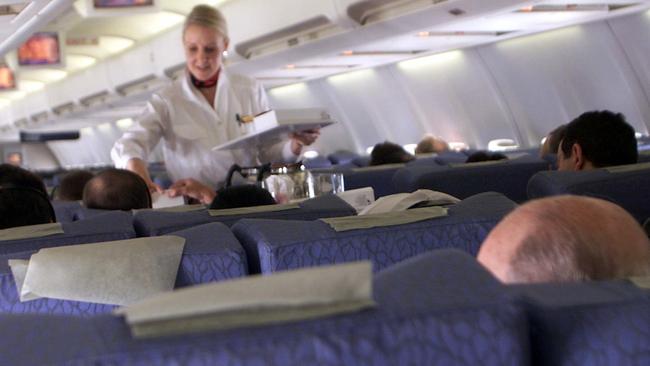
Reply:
x=592, y=323
x=105, y=227
x=273, y=245
x=211, y=253
x=625, y=187
x=508, y=177
x=154, y=223
x=442, y=327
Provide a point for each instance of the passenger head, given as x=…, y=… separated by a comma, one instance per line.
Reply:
x=481, y=156
x=205, y=38
x=71, y=187
x=430, y=144
x=23, y=198
x=564, y=239
x=596, y=140
x=116, y=189
x=241, y=196
x=552, y=141
x=389, y=153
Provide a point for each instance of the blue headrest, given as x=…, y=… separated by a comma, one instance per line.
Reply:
x=508, y=177
x=211, y=253
x=273, y=245
x=153, y=223
x=628, y=189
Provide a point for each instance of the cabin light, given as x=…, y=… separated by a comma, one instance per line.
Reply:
x=290, y=66
x=288, y=90
x=347, y=53
x=352, y=75
x=113, y=44
x=311, y=154
x=458, y=146
x=543, y=140
x=224, y=54
x=527, y=8
x=87, y=131
x=45, y=75
x=369, y=149
x=424, y=34
x=502, y=145
x=429, y=61
x=104, y=127
x=410, y=148
x=30, y=86
x=79, y=62
x=638, y=135
x=124, y=123
x=13, y=95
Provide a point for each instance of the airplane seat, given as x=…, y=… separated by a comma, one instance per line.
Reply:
x=361, y=161
x=508, y=177
x=66, y=211
x=451, y=157
x=342, y=157
x=624, y=185
x=274, y=245
x=644, y=156
x=589, y=323
x=379, y=177
x=106, y=227
x=160, y=222
x=211, y=253
x=439, y=322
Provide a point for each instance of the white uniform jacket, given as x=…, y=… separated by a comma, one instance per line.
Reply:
x=190, y=127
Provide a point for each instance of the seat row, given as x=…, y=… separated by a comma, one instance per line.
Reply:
x=439, y=308
x=519, y=179
x=215, y=252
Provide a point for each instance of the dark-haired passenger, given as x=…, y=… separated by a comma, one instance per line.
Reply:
x=23, y=198
x=595, y=140
x=389, y=153
x=246, y=195
x=71, y=187
x=481, y=156
x=117, y=189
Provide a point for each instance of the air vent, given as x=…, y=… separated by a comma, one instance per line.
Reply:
x=48, y=136
x=97, y=99
x=175, y=72
x=372, y=11
x=463, y=34
x=64, y=109
x=299, y=34
x=381, y=53
x=147, y=83
x=40, y=117
x=12, y=10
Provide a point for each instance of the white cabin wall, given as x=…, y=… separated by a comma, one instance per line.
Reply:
x=519, y=88
x=633, y=33
x=550, y=78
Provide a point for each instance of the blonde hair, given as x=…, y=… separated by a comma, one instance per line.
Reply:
x=209, y=17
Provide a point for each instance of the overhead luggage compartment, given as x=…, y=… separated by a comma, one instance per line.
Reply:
x=259, y=27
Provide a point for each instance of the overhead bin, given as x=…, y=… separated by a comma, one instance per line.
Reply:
x=259, y=27
x=370, y=11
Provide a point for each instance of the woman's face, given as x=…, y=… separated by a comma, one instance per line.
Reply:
x=203, y=49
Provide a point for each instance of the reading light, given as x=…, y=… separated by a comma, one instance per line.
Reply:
x=311, y=154
x=287, y=90
x=428, y=61
x=79, y=62
x=104, y=127
x=410, y=148
x=124, y=123
x=30, y=86
x=353, y=75
x=458, y=146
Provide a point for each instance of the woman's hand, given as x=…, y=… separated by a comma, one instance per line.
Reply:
x=139, y=167
x=303, y=138
x=193, y=189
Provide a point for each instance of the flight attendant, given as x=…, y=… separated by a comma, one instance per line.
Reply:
x=197, y=112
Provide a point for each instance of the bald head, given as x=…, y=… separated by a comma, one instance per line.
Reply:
x=430, y=144
x=116, y=189
x=566, y=238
